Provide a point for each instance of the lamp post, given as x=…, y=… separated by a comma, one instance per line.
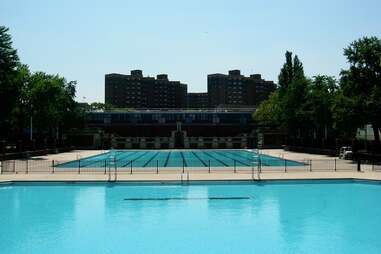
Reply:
x=31, y=128
x=31, y=123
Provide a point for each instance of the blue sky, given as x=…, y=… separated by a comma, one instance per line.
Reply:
x=83, y=40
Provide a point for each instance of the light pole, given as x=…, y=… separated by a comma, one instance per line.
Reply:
x=31, y=128
x=31, y=123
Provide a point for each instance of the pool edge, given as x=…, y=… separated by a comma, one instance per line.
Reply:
x=195, y=182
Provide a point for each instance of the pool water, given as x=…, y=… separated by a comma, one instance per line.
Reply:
x=266, y=217
x=179, y=158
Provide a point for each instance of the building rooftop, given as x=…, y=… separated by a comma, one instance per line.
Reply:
x=177, y=110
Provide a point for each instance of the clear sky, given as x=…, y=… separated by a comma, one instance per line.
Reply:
x=83, y=40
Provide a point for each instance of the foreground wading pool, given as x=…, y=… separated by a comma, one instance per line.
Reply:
x=225, y=217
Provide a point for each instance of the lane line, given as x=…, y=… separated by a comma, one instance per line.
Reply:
x=214, y=158
x=196, y=155
x=150, y=159
x=134, y=159
x=243, y=163
x=182, y=155
x=167, y=159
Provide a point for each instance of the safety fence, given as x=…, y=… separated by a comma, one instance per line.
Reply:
x=215, y=165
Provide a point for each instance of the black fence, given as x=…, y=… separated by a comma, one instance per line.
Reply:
x=30, y=166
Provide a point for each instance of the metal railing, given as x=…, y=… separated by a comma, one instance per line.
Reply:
x=201, y=165
x=207, y=110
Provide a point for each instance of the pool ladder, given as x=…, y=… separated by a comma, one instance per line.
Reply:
x=257, y=173
x=184, y=180
x=110, y=178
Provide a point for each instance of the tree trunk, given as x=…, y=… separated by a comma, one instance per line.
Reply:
x=376, y=137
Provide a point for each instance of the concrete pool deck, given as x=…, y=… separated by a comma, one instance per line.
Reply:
x=192, y=176
x=75, y=154
x=322, y=170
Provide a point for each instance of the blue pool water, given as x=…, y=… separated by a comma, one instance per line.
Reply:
x=178, y=158
x=278, y=217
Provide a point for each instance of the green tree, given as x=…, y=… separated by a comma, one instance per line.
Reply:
x=269, y=112
x=317, y=107
x=345, y=116
x=301, y=106
x=361, y=85
x=9, y=89
x=97, y=106
x=292, y=70
x=294, y=117
x=282, y=106
x=50, y=99
x=21, y=112
x=292, y=94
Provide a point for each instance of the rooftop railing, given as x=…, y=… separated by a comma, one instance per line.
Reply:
x=145, y=110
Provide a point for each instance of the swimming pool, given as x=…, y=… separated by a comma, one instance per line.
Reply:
x=179, y=158
x=236, y=217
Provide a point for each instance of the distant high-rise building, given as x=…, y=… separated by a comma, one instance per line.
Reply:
x=136, y=91
x=236, y=90
x=229, y=91
x=197, y=100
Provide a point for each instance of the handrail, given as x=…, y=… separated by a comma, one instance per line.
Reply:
x=147, y=110
x=112, y=168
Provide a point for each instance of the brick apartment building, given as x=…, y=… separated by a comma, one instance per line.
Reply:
x=197, y=100
x=137, y=91
x=227, y=91
x=236, y=90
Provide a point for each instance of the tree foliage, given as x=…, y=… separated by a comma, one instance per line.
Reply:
x=361, y=83
x=48, y=99
x=318, y=108
x=292, y=70
x=284, y=106
x=303, y=105
x=9, y=88
x=269, y=112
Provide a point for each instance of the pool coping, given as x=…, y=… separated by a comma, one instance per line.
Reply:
x=174, y=178
x=197, y=182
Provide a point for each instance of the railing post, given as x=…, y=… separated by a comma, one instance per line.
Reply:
x=53, y=166
x=183, y=167
x=131, y=167
x=79, y=166
x=14, y=167
x=285, y=166
x=209, y=166
x=335, y=165
x=109, y=171
x=1, y=167
x=235, y=169
x=116, y=170
x=358, y=165
x=252, y=170
x=310, y=165
x=259, y=164
x=105, y=166
x=26, y=170
x=157, y=167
